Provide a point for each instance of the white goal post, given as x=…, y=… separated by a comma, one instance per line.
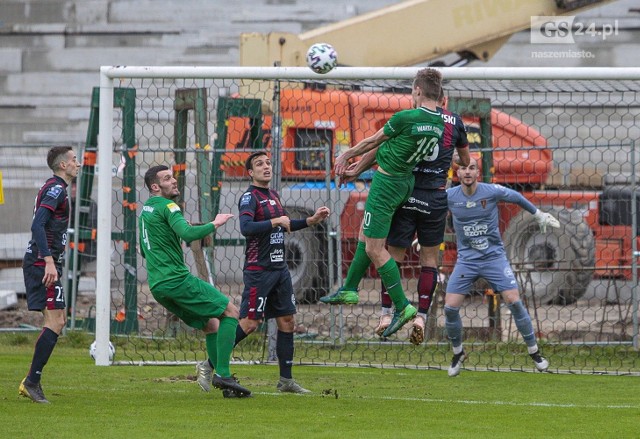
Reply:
x=111, y=75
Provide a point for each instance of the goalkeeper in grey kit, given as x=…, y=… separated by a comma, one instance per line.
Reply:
x=481, y=253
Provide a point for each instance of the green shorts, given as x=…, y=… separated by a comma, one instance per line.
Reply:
x=386, y=195
x=194, y=301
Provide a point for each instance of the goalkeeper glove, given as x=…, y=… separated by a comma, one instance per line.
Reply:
x=545, y=219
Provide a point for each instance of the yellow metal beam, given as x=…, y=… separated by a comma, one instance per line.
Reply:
x=407, y=33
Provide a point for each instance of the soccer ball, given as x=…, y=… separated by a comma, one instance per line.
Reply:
x=92, y=350
x=322, y=58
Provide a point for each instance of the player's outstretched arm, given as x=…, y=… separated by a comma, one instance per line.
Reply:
x=186, y=231
x=358, y=167
x=362, y=147
x=221, y=219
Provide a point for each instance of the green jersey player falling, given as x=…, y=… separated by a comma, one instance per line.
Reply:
x=196, y=302
x=407, y=138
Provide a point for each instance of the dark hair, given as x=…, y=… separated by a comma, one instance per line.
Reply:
x=248, y=164
x=430, y=82
x=55, y=156
x=151, y=176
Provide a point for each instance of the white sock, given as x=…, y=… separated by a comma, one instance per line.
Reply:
x=423, y=315
x=532, y=349
x=386, y=311
x=457, y=349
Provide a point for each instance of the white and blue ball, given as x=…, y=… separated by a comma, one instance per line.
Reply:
x=112, y=351
x=322, y=58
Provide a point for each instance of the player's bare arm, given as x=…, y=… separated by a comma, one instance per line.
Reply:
x=221, y=219
x=462, y=157
x=361, y=148
x=50, y=272
x=356, y=168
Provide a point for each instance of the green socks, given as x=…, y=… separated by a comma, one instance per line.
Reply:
x=390, y=275
x=358, y=267
x=225, y=342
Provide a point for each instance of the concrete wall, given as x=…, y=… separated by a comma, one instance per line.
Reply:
x=51, y=50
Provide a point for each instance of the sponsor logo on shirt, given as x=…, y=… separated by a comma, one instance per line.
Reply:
x=426, y=170
x=277, y=255
x=148, y=209
x=276, y=238
x=413, y=200
x=479, y=243
x=173, y=207
x=475, y=229
x=425, y=128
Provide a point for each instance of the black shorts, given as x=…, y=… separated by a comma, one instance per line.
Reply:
x=267, y=294
x=40, y=297
x=425, y=213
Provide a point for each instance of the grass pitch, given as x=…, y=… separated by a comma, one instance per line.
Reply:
x=164, y=401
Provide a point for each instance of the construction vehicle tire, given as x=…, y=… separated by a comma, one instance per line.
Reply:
x=552, y=267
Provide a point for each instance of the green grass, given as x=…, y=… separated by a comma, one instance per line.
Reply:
x=162, y=401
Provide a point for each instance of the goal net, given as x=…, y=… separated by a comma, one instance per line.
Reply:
x=563, y=138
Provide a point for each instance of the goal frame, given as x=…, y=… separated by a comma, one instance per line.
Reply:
x=109, y=75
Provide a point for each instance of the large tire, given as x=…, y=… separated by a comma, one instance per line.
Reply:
x=302, y=253
x=559, y=262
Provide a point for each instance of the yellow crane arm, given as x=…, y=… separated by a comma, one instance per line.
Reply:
x=411, y=32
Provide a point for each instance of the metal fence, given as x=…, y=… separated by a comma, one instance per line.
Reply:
x=565, y=143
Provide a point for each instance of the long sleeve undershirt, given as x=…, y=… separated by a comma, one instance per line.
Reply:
x=248, y=227
x=40, y=219
x=187, y=232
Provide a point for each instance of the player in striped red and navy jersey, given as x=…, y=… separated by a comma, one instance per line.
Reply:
x=268, y=291
x=43, y=261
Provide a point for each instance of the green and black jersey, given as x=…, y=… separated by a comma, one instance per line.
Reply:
x=413, y=136
x=162, y=230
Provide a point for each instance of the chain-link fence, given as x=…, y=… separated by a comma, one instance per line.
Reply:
x=567, y=145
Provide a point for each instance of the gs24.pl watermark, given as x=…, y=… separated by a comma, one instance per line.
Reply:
x=552, y=29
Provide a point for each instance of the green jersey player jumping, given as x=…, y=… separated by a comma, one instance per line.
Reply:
x=407, y=138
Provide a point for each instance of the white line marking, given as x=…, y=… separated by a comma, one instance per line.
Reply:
x=470, y=402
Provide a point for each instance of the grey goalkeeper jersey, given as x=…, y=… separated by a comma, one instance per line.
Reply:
x=475, y=219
